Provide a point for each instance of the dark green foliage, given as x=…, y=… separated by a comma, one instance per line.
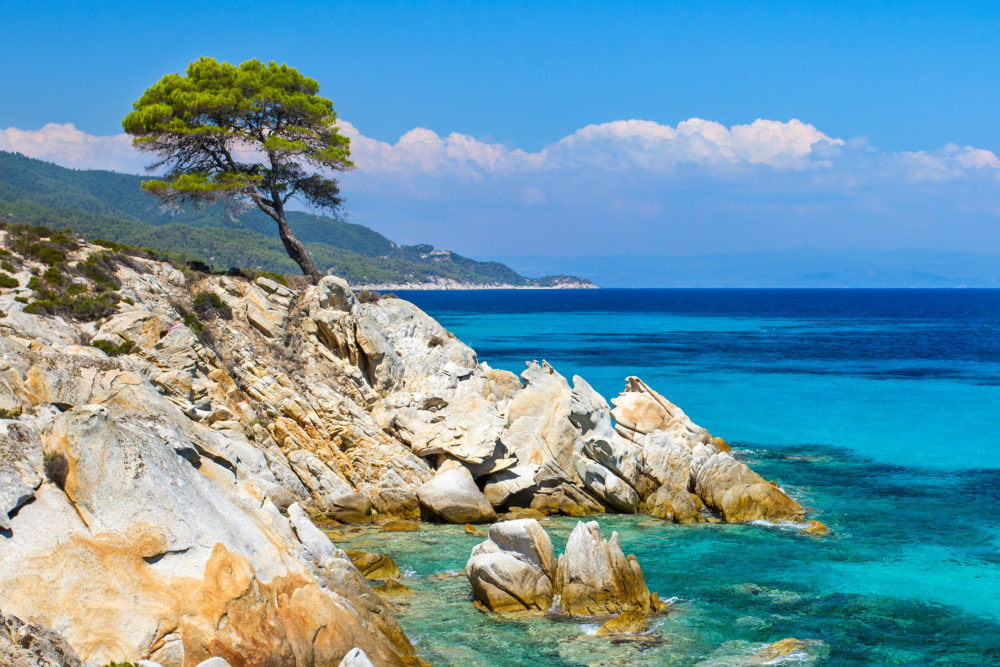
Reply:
x=208, y=306
x=112, y=207
x=56, y=468
x=21, y=299
x=7, y=280
x=53, y=276
x=9, y=414
x=199, y=125
x=56, y=291
x=101, y=267
x=113, y=350
x=367, y=296
x=7, y=266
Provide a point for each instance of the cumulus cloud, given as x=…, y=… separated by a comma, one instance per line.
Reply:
x=614, y=187
x=704, y=146
x=65, y=145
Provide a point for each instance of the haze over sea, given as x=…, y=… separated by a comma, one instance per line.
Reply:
x=877, y=409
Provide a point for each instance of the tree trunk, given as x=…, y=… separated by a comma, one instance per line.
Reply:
x=297, y=251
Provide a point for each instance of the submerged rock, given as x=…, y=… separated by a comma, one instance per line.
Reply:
x=631, y=622
x=816, y=528
x=373, y=566
x=779, y=649
x=399, y=526
x=392, y=587
x=595, y=578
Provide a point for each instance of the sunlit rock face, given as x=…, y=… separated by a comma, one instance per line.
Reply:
x=159, y=475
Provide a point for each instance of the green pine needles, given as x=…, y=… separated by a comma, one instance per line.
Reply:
x=247, y=135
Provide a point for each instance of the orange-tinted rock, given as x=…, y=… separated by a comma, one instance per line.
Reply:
x=399, y=526
x=816, y=528
x=631, y=622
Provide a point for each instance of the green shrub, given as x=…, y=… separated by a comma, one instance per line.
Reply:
x=56, y=468
x=20, y=299
x=112, y=350
x=101, y=268
x=54, y=276
x=365, y=296
x=208, y=305
x=7, y=266
x=9, y=414
x=7, y=280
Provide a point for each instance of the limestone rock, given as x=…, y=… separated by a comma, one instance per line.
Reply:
x=20, y=467
x=779, y=649
x=513, y=570
x=356, y=658
x=631, y=622
x=816, y=528
x=528, y=539
x=28, y=644
x=374, y=566
x=594, y=577
x=739, y=494
x=391, y=587
x=335, y=293
x=399, y=526
x=453, y=496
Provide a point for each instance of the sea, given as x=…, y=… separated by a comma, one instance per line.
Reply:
x=878, y=410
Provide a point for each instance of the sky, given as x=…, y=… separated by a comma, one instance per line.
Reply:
x=579, y=128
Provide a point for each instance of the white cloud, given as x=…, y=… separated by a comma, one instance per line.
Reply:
x=695, y=146
x=65, y=145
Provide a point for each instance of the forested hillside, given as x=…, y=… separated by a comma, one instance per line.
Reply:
x=109, y=205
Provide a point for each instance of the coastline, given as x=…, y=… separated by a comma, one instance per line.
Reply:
x=454, y=286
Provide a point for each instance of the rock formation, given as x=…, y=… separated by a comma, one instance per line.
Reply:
x=160, y=469
x=595, y=578
x=513, y=570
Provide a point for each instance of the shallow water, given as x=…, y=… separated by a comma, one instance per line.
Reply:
x=876, y=408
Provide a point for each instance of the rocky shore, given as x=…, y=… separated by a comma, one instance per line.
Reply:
x=163, y=468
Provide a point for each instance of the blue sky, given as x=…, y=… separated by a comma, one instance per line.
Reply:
x=883, y=131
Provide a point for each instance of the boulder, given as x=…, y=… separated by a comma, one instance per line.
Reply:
x=816, y=528
x=631, y=622
x=452, y=495
x=399, y=526
x=374, y=566
x=503, y=582
x=595, y=578
x=391, y=587
x=513, y=569
x=739, y=494
x=527, y=539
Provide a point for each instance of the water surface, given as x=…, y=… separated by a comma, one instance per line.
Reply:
x=878, y=409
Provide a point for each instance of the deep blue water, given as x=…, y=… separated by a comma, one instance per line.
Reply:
x=878, y=409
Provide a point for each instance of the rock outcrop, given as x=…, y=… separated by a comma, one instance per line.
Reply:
x=516, y=570
x=595, y=578
x=513, y=570
x=160, y=473
x=23, y=644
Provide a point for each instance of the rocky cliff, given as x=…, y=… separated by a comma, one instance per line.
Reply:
x=162, y=467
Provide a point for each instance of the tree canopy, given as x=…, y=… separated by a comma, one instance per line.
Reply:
x=254, y=134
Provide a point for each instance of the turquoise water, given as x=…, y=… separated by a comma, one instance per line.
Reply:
x=879, y=410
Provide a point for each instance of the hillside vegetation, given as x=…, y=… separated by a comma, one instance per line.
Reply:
x=108, y=205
